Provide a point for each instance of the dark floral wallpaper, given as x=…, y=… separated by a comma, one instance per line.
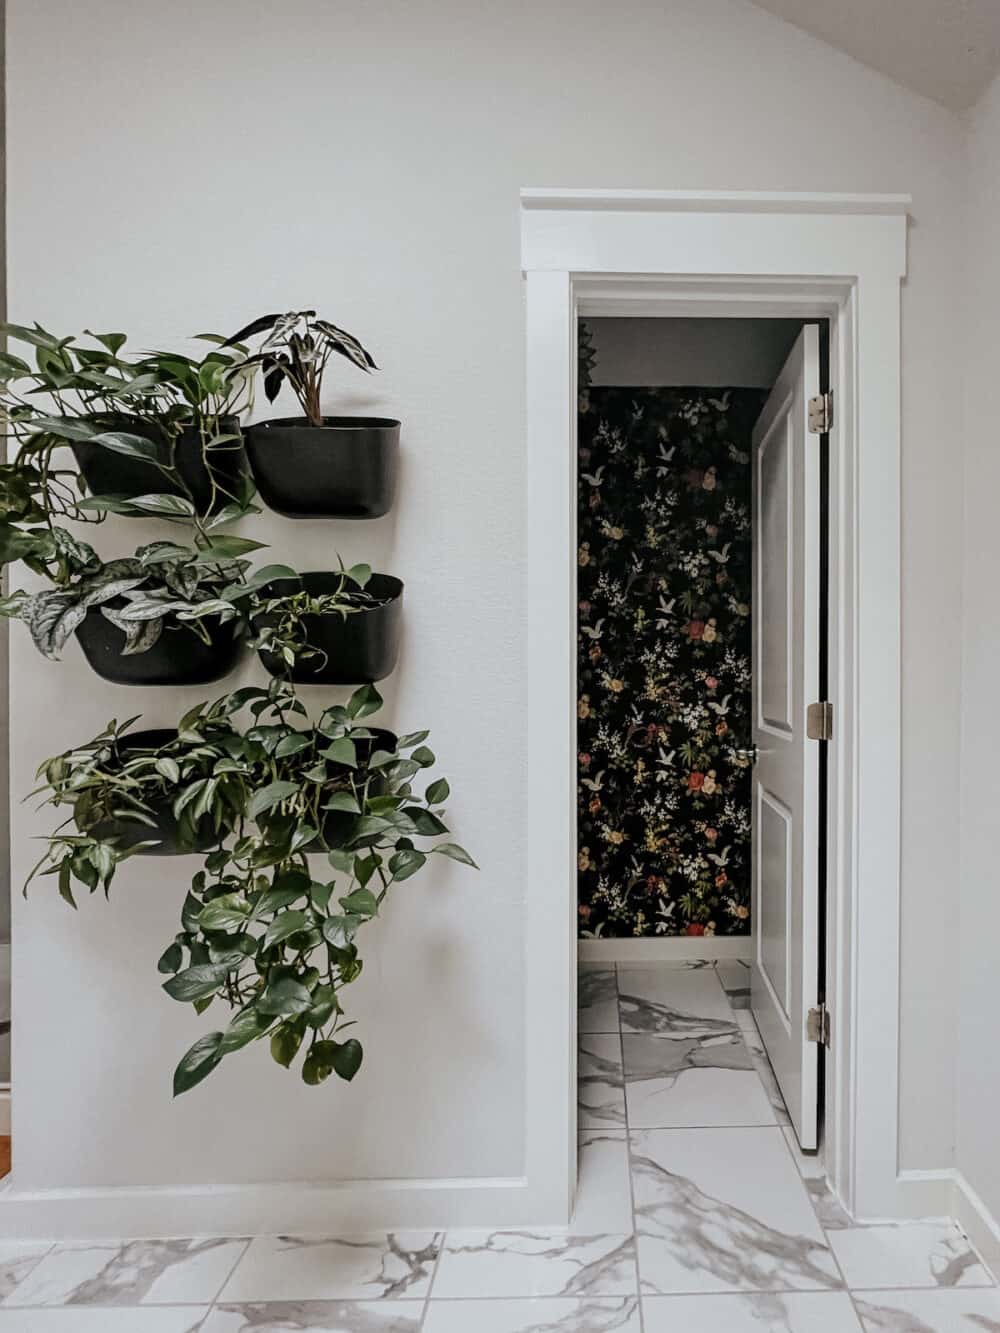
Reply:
x=664, y=659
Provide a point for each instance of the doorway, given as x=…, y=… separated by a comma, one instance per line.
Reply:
x=701, y=633
x=841, y=258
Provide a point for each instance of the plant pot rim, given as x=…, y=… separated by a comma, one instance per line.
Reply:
x=138, y=740
x=332, y=424
x=393, y=592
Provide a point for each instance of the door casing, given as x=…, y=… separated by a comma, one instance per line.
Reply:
x=727, y=255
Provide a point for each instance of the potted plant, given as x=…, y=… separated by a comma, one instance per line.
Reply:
x=156, y=618
x=316, y=466
x=265, y=932
x=339, y=627
x=164, y=424
x=160, y=792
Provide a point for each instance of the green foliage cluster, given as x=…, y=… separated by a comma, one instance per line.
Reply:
x=261, y=791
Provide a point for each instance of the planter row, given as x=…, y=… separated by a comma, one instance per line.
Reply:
x=169, y=836
x=346, y=468
x=355, y=650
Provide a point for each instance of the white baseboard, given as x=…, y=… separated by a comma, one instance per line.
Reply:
x=672, y=949
x=4, y=1112
x=978, y=1223
x=947, y=1193
x=351, y=1208
x=921, y=1195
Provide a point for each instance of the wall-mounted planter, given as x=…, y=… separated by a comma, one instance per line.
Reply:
x=338, y=824
x=345, y=468
x=109, y=473
x=169, y=837
x=179, y=656
x=354, y=650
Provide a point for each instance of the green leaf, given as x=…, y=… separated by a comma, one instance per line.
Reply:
x=246, y=1027
x=132, y=446
x=365, y=867
x=285, y=1044
x=347, y=1058
x=406, y=862
x=171, y=959
x=339, y=931
x=196, y=983
x=286, y=997
x=412, y=738
x=228, y=548
x=171, y=506
x=423, y=756
x=424, y=822
x=324, y=1007
x=304, y=834
x=363, y=702
x=438, y=792
x=360, y=574
x=198, y=1063
x=65, y=889
x=168, y=768
x=114, y=342
x=362, y=902
x=314, y=1071
x=342, y=752
x=293, y=744
x=268, y=797
x=285, y=924
x=343, y=800
x=232, y=909
x=274, y=901
x=327, y=1057
x=456, y=853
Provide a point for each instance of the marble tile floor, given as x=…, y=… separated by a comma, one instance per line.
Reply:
x=697, y=1213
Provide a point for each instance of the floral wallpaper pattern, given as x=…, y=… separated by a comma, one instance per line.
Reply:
x=664, y=659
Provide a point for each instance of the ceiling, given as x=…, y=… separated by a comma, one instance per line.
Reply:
x=946, y=49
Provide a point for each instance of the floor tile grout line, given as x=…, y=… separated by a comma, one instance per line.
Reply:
x=434, y=1273
x=628, y=1165
x=247, y=1241
x=44, y=1255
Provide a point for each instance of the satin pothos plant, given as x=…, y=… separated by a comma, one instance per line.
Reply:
x=269, y=929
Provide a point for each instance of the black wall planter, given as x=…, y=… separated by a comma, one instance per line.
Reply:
x=345, y=468
x=110, y=473
x=360, y=648
x=167, y=837
x=179, y=656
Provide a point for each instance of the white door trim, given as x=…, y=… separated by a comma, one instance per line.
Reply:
x=835, y=256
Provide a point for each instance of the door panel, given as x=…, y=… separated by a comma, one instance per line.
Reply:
x=786, y=643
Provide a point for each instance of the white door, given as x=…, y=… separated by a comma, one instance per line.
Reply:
x=786, y=663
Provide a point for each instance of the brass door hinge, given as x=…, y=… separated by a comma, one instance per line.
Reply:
x=819, y=721
x=818, y=1025
x=821, y=413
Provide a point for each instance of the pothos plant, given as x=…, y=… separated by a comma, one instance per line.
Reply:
x=296, y=348
x=139, y=408
x=121, y=792
x=76, y=394
x=263, y=932
x=279, y=608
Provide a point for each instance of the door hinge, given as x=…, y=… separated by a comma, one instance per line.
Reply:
x=818, y=1025
x=819, y=721
x=821, y=413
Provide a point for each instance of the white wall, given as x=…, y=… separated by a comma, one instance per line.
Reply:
x=736, y=353
x=978, y=1060
x=184, y=166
